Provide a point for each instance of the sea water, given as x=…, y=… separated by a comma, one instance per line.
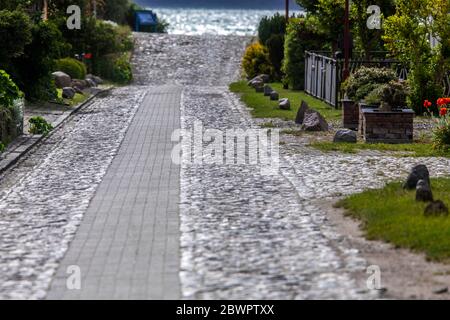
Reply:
x=214, y=21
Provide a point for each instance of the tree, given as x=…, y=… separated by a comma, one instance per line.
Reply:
x=407, y=37
x=309, y=5
x=369, y=40
x=15, y=32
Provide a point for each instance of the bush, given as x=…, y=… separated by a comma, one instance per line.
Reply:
x=9, y=113
x=116, y=68
x=39, y=125
x=392, y=94
x=32, y=70
x=365, y=80
x=301, y=34
x=256, y=61
x=269, y=26
x=74, y=68
x=8, y=90
x=275, y=47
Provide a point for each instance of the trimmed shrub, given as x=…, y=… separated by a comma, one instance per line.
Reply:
x=116, y=68
x=393, y=94
x=74, y=68
x=365, y=80
x=256, y=61
x=301, y=35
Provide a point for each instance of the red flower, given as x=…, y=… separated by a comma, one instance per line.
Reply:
x=427, y=104
x=88, y=55
x=443, y=101
x=443, y=112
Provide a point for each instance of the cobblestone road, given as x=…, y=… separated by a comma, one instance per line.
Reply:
x=242, y=234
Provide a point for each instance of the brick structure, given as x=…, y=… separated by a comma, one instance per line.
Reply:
x=386, y=127
x=350, y=114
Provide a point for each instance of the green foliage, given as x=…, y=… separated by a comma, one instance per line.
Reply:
x=302, y=34
x=114, y=67
x=10, y=113
x=2, y=147
x=407, y=38
x=441, y=136
x=162, y=26
x=15, y=34
x=115, y=10
x=74, y=68
x=368, y=40
x=32, y=70
x=393, y=215
x=365, y=80
x=275, y=47
x=330, y=15
x=8, y=90
x=393, y=94
x=308, y=5
x=256, y=60
x=269, y=26
x=39, y=125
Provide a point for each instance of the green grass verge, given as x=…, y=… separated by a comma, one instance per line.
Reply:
x=391, y=214
x=264, y=108
x=400, y=150
x=77, y=99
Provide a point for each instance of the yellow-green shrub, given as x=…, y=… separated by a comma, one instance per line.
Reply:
x=256, y=60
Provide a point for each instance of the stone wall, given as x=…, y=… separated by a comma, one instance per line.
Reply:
x=387, y=127
x=350, y=114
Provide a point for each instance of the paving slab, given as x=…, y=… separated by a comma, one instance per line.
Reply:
x=127, y=244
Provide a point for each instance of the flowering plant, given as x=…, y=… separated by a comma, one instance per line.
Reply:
x=441, y=133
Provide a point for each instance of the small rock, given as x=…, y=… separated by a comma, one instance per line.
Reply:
x=77, y=90
x=345, y=135
x=314, y=122
x=267, y=90
x=423, y=191
x=61, y=79
x=440, y=290
x=256, y=83
x=301, y=113
x=264, y=77
x=436, y=208
x=419, y=172
x=96, y=79
x=68, y=92
x=91, y=82
x=81, y=84
x=285, y=104
x=274, y=96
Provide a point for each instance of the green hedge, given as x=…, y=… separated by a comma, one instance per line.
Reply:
x=74, y=68
x=301, y=35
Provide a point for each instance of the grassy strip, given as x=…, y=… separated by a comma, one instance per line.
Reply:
x=264, y=108
x=400, y=150
x=391, y=214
